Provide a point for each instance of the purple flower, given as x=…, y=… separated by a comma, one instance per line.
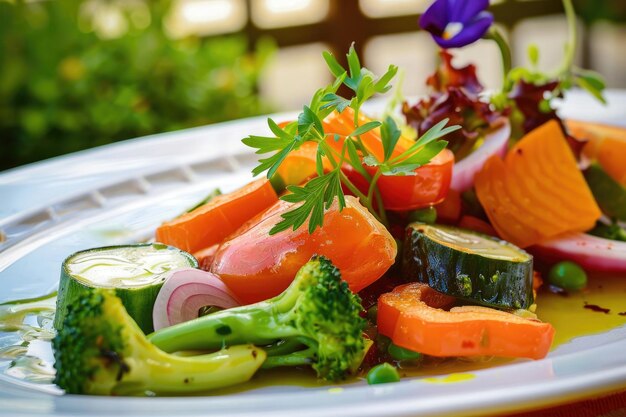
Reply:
x=456, y=23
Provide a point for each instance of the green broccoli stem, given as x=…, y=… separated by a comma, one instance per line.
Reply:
x=162, y=373
x=259, y=324
x=284, y=347
x=299, y=358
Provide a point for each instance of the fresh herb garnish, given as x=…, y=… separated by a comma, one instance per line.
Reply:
x=318, y=195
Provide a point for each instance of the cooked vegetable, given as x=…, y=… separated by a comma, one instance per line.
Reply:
x=349, y=148
x=316, y=321
x=607, y=145
x=212, y=222
x=568, y=275
x=136, y=272
x=495, y=143
x=101, y=351
x=185, y=292
x=257, y=266
x=590, y=252
x=412, y=321
x=300, y=165
x=342, y=124
x=468, y=265
x=425, y=186
x=382, y=374
x=609, y=194
x=537, y=192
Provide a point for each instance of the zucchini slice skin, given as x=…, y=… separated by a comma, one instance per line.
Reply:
x=469, y=275
x=137, y=299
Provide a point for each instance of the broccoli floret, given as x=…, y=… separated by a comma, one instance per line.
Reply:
x=102, y=351
x=316, y=321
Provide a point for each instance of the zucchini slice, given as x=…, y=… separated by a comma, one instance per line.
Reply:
x=136, y=272
x=468, y=265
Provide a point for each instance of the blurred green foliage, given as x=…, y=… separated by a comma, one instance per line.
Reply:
x=595, y=10
x=69, y=83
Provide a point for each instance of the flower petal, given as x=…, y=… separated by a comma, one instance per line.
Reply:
x=465, y=11
x=470, y=33
x=435, y=18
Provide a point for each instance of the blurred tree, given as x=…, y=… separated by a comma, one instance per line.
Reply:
x=76, y=74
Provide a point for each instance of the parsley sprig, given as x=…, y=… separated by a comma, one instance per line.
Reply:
x=314, y=198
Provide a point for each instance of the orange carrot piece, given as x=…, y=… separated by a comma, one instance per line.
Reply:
x=412, y=322
x=606, y=144
x=343, y=124
x=537, y=192
x=214, y=221
x=300, y=165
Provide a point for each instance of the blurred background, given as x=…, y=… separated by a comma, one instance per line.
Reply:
x=77, y=74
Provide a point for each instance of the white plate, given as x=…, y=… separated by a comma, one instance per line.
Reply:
x=118, y=193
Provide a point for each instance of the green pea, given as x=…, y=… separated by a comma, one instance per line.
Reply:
x=402, y=354
x=568, y=275
x=382, y=374
x=426, y=215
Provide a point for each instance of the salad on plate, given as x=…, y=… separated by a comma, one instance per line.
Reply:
x=451, y=232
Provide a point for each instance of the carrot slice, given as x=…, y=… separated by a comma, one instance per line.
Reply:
x=343, y=124
x=537, y=192
x=213, y=222
x=409, y=317
x=606, y=144
x=300, y=165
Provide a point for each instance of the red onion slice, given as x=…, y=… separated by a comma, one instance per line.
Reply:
x=184, y=292
x=591, y=252
x=496, y=143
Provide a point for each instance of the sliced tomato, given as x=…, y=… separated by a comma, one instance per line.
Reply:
x=427, y=187
x=256, y=265
x=412, y=317
x=213, y=222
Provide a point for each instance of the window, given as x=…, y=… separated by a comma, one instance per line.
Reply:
x=280, y=13
x=206, y=17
